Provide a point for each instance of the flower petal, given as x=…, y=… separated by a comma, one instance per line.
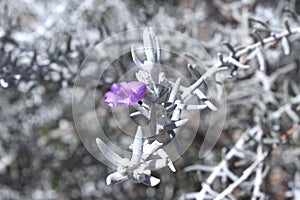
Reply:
x=111, y=99
x=125, y=94
x=137, y=87
x=139, y=90
x=124, y=102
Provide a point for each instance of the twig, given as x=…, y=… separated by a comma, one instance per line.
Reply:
x=218, y=66
x=216, y=170
x=245, y=175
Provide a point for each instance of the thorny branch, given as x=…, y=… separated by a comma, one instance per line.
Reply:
x=237, y=58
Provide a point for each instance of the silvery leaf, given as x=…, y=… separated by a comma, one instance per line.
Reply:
x=143, y=76
x=177, y=112
x=191, y=107
x=154, y=73
x=172, y=133
x=174, y=91
x=153, y=124
x=162, y=137
x=135, y=59
x=142, y=110
x=149, y=40
x=203, y=98
x=261, y=60
x=138, y=118
x=285, y=46
x=156, y=164
x=157, y=50
x=147, y=179
x=178, y=148
x=149, y=149
x=164, y=155
x=174, y=124
x=116, y=177
x=153, y=96
x=109, y=154
x=137, y=147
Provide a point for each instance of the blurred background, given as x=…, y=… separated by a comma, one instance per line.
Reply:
x=42, y=46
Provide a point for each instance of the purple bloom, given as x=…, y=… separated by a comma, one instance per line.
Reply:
x=125, y=94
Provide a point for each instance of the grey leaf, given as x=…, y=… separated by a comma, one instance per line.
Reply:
x=149, y=40
x=156, y=164
x=164, y=155
x=177, y=112
x=109, y=154
x=157, y=50
x=191, y=107
x=261, y=60
x=137, y=148
x=285, y=46
x=149, y=149
x=203, y=98
x=177, y=146
x=153, y=124
x=147, y=179
x=116, y=177
x=154, y=74
x=174, y=124
x=135, y=59
x=174, y=91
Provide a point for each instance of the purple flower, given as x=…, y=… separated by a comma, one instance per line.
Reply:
x=125, y=94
